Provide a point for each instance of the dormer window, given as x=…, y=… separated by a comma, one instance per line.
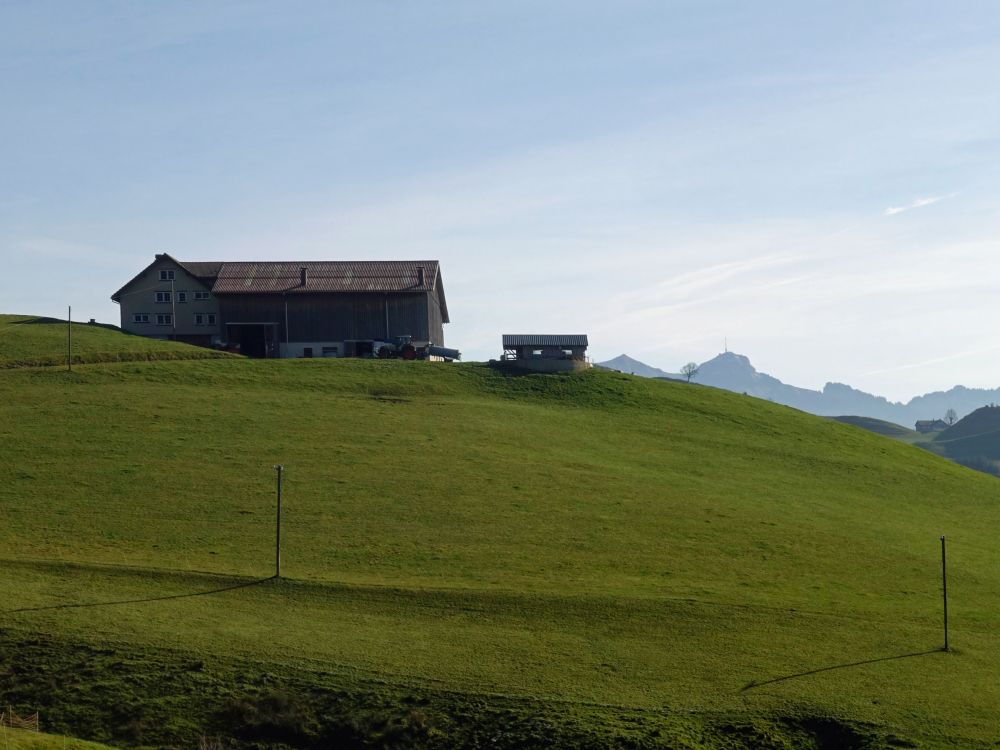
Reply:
x=166, y=275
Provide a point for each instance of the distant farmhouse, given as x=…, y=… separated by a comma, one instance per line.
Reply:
x=545, y=352
x=931, y=425
x=287, y=309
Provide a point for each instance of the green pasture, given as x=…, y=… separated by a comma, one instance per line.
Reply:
x=880, y=427
x=31, y=341
x=674, y=566
x=20, y=739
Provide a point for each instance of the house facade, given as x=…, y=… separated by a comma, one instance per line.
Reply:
x=287, y=309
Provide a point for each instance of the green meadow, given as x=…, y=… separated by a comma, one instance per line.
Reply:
x=477, y=559
x=20, y=739
x=32, y=341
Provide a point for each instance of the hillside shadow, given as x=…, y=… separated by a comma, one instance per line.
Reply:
x=110, y=603
x=754, y=684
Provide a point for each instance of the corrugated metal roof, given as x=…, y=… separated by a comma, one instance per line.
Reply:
x=256, y=277
x=511, y=340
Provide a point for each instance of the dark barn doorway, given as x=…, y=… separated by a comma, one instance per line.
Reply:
x=258, y=340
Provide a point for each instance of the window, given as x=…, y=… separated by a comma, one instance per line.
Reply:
x=199, y=319
x=163, y=296
x=202, y=295
x=204, y=319
x=536, y=352
x=164, y=320
x=166, y=275
x=140, y=317
x=210, y=319
x=182, y=296
x=331, y=351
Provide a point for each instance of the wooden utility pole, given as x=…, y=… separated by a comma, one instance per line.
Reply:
x=944, y=592
x=69, y=338
x=277, y=537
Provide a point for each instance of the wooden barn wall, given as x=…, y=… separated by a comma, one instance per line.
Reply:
x=337, y=317
x=435, y=320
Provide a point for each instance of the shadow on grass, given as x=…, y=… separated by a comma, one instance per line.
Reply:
x=754, y=684
x=222, y=590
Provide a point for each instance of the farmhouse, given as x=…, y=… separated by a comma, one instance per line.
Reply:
x=287, y=309
x=545, y=352
x=931, y=425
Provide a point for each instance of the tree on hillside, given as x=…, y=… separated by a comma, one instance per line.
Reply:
x=689, y=370
x=950, y=416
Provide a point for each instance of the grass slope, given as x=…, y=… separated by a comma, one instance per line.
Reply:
x=596, y=557
x=973, y=441
x=30, y=341
x=19, y=739
x=878, y=426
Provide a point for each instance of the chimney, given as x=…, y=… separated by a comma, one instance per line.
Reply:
x=303, y=276
x=420, y=275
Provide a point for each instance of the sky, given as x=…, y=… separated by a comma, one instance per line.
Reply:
x=814, y=184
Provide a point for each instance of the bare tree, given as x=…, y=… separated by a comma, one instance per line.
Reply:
x=950, y=416
x=689, y=370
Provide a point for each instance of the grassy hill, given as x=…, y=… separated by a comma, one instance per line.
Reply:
x=31, y=341
x=973, y=441
x=879, y=427
x=474, y=559
x=19, y=739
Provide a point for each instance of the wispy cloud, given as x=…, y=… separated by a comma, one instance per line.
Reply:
x=918, y=203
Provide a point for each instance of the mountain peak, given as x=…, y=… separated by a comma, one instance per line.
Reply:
x=626, y=364
x=730, y=361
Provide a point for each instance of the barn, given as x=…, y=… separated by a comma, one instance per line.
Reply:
x=287, y=309
x=545, y=352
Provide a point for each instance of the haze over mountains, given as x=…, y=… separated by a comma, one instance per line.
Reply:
x=734, y=372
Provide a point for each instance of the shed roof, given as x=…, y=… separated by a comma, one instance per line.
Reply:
x=511, y=340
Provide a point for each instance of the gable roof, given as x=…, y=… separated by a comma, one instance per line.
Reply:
x=204, y=272
x=284, y=277
x=511, y=340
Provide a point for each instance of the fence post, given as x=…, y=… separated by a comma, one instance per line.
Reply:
x=944, y=592
x=277, y=532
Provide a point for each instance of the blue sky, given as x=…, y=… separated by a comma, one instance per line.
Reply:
x=816, y=182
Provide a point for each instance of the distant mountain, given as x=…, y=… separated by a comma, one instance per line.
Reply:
x=734, y=372
x=624, y=363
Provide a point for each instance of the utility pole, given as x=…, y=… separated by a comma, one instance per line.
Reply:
x=277, y=537
x=69, y=338
x=944, y=592
x=173, y=310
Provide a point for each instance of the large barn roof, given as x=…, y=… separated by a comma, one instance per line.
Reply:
x=256, y=277
x=511, y=340
x=285, y=277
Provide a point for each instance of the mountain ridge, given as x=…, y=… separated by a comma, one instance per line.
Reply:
x=735, y=372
